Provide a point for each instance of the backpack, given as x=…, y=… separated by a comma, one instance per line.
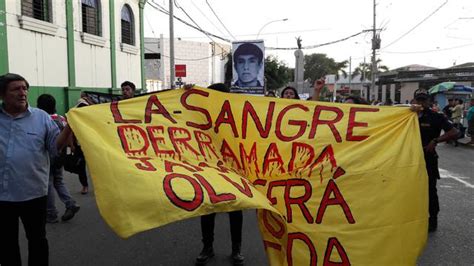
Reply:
x=72, y=162
x=57, y=162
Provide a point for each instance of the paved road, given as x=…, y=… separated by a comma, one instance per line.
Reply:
x=87, y=240
x=453, y=243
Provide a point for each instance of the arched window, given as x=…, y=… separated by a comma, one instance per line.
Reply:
x=91, y=17
x=38, y=9
x=128, y=33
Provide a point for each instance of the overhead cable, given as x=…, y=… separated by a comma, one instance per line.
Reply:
x=151, y=26
x=417, y=25
x=187, y=59
x=317, y=45
x=429, y=51
x=164, y=11
x=207, y=18
x=196, y=24
x=215, y=14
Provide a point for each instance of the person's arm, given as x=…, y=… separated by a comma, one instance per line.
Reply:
x=450, y=133
x=64, y=138
x=318, y=86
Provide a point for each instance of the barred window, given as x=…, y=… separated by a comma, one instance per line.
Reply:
x=91, y=17
x=38, y=9
x=128, y=33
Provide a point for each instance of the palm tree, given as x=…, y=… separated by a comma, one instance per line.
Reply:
x=339, y=68
x=365, y=70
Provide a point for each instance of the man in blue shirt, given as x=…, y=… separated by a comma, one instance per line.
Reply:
x=28, y=136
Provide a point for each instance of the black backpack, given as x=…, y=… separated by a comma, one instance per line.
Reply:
x=72, y=162
x=57, y=162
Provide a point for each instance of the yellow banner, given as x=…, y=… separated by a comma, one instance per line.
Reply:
x=333, y=183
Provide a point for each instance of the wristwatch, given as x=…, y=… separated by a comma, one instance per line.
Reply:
x=435, y=140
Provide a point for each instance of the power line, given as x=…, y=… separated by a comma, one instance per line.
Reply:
x=417, y=25
x=194, y=59
x=210, y=7
x=384, y=25
x=164, y=11
x=449, y=25
x=187, y=15
x=198, y=28
x=207, y=18
x=267, y=33
x=430, y=51
x=195, y=23
x=185, y=59
x=318, y=45
x=151, y=27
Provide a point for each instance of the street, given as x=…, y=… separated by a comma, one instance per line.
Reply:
x=453, y=243
x=87, y=240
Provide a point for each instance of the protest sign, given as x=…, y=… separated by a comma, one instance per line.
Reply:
x=333, y=183
x=248, y=67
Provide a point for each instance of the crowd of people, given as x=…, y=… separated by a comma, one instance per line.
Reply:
x=35, y=142
x=455, y=111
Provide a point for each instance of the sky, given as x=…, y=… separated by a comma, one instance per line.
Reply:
x=437, y=33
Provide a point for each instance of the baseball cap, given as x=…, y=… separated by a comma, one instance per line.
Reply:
x=421, y=94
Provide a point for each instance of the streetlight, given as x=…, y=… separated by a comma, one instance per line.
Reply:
x=285, y=19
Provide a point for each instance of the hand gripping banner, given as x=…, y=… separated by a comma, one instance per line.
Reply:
x=333, y=183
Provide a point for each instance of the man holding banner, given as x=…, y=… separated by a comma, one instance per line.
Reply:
x=332, y=183
x=431, y=124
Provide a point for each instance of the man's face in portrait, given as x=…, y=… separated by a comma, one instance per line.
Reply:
x=247, y=67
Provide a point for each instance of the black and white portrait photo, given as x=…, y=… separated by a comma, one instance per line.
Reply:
x=248, y=66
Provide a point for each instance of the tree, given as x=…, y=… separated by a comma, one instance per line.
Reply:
x=277, y=74
x=365, y=70
x=340, y=69
x=319, y=65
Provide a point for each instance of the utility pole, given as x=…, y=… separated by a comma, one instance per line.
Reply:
x=172, y=71
x=374, y=47
x=213, y=62
x=364, y=89
x=350, y=73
